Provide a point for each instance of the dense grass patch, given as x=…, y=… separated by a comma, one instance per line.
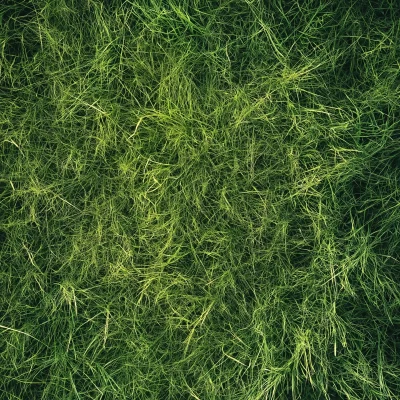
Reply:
x=199, y=200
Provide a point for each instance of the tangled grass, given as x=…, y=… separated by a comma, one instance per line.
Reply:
x=199, y=199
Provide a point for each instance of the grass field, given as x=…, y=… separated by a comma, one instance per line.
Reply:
x=199, y=199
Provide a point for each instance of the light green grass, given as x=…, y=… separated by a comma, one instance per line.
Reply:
x=199, y=200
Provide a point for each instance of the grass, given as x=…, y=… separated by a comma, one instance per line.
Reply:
x=199, y=200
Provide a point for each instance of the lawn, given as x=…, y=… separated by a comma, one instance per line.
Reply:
x=199, y=199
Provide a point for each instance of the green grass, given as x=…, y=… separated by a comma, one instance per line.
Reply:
x=199, y=199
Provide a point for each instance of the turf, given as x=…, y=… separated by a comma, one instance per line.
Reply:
x=199, y=199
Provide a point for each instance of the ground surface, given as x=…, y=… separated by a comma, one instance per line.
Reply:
x=199, y=200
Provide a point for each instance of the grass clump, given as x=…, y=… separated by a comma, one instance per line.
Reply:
x=199, y=200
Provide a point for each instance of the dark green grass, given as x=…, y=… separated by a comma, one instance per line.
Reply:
x=199, y=200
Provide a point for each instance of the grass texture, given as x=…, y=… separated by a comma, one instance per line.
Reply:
x=199, y=199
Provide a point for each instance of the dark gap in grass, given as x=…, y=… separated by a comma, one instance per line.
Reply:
x=241, y=62
x=20, y=44
x=4, y=189
x=359, y=187
x=16, y=13
x=392, y=341
x=10, y=155
x=3, y=238
x=378, y=11
x=350, y=74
